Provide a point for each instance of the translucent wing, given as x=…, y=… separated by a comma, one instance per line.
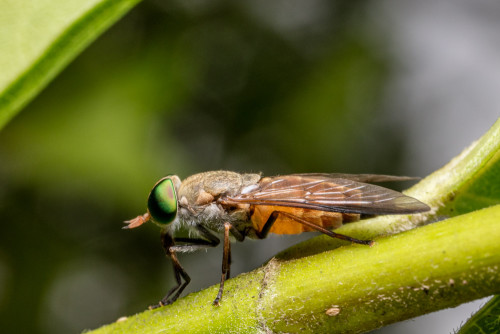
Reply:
x=327, y=193
x=368, y=178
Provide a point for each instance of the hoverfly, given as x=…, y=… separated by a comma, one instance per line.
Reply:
x=249, y=205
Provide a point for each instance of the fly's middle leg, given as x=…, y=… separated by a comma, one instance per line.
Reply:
x=226, y=263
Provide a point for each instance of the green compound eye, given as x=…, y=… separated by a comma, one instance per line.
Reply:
x=162, y=202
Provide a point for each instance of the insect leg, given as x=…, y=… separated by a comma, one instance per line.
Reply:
x=192, y=244
x=171, y=248
x=237, y=234
x=226, y=258
x=267, y=226
x=170, y=297
x=274, y=215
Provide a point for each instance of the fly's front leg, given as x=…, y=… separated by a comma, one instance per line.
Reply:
x=190, y=244
x=226, y=262
x=167, y=243
x=274, y=215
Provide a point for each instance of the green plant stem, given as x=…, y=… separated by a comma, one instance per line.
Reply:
x=319, y=286
x=350, y=289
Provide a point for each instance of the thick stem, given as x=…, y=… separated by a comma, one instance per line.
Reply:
x=350, y=289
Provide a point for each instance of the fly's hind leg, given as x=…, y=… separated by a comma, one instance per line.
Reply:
x=274, y=215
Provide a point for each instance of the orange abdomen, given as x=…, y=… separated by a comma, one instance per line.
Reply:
x=285, y=225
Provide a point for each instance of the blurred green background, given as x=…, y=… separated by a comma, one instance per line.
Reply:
x=183, y=87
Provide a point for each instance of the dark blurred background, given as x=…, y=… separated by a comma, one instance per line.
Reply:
x=394, y=87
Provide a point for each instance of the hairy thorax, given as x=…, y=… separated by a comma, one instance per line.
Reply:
x=198, y=200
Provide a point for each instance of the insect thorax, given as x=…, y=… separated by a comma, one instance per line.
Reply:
x=213, y=217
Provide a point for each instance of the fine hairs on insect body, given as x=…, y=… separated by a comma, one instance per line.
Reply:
x=250, y=205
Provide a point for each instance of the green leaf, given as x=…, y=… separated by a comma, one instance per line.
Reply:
x=484, y=321
x=341, y=288
x=39, y=38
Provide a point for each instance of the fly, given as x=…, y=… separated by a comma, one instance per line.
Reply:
x=250, y=205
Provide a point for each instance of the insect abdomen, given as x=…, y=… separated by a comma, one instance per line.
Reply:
x=285, y=225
